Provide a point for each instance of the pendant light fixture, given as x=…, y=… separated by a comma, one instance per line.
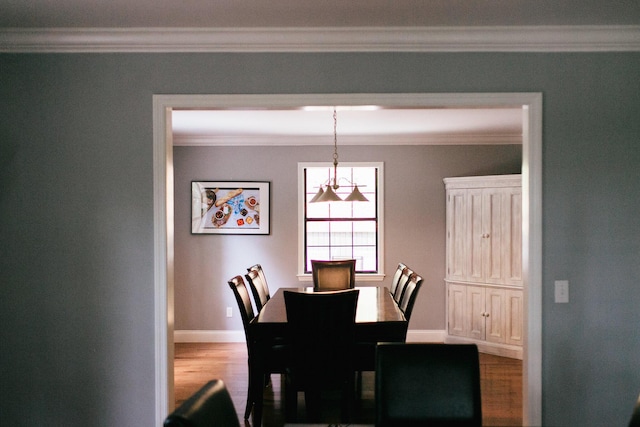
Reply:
x=328, y=194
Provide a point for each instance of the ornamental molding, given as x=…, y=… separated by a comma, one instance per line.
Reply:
x=343, y=39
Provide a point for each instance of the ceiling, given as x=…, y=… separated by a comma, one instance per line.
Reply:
x=313, y=13
x=354, y=126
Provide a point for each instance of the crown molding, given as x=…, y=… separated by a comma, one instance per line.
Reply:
x=343, y=39
x=307, y=140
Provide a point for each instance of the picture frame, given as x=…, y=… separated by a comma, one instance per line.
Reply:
x=230, y=207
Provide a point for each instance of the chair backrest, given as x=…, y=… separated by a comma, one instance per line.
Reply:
x=396, y=278
x=402, y=283
x=409, y=295
x=211, y=406
x=334, y=274
x=258, y=288
x=244, y=303
x=321, y=334
x=635, y=416
x=427, y=384
x=260, y=270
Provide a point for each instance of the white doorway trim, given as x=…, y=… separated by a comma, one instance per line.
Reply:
x=531, y=104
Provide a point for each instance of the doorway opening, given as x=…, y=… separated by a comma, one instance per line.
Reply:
x=531, y=104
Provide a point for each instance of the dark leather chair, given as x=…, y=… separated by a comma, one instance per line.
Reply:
x=427, y=384
x=263, y=358
x=635, y=417
x=211, y=406
x=333, y=275
x=396, y=278
x=321, y=335
x=409, y=295
x=258, y=287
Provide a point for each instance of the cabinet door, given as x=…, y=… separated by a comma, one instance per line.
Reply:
x=457, y=314
x=495, y=315
x=475, y=236
x=456, y=232
x=475, y=300
x=493, y=218
x=512, y=237
x=513, y=317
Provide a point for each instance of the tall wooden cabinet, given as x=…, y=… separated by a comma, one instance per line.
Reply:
x=484, y=263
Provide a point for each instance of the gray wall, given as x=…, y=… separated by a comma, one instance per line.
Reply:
x=414, y=220
x=76, y=215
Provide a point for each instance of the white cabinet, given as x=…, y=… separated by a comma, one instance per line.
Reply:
x=484, y=229
x=484, y=262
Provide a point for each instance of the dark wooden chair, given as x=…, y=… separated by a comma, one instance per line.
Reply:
x=211, y=406
x=402, y=283
x=259, y=288
x=427, y=384
x=321, y=335
x=272, y=357
x=409, y=295
x=396, y=278
x=333, y=275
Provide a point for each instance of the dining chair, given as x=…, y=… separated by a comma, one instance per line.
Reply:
x=272, y=358
x=402, y=283
x=427, y=384
x=635, y=416
x=321, y=335
x=409, y=295
x=259, y=288
x=396, y=278
x=210, y=406
x=266, y=293
x=333, y=275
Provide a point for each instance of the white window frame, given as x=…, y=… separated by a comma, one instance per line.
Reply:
x=368, y=277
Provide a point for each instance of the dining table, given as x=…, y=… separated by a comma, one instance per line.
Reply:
x=378, y=319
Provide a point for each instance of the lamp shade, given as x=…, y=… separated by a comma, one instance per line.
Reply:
x=356, y=196
x=329, y=196
x=317, y=196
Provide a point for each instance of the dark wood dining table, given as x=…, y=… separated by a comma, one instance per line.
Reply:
x=378, y=319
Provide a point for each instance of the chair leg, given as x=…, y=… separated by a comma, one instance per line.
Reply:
x=358, y=393
x=290, y=400
x=247, y=409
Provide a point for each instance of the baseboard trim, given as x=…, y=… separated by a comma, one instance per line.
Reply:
x=190, y=336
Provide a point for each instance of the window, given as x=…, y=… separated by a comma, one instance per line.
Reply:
x=342, y=230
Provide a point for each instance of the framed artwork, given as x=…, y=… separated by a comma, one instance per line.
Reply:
x=230, y=207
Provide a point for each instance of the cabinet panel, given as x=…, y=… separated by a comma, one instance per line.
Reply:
x=495, y=315
x=457, y=313
x=514, y=317
x=475, y=235
x=493, y=218
x=456, y=234
x=476, y=312
x=513, y=238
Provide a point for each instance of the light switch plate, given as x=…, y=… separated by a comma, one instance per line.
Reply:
x=562, y=291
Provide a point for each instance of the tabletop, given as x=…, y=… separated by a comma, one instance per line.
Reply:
x=375, y=304
x=378, y=317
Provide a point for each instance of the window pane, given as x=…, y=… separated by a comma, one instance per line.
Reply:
x=317, y=234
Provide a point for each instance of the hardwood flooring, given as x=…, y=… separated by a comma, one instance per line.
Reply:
x=197, y=363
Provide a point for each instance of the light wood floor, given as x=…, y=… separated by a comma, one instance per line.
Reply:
x=197, y=363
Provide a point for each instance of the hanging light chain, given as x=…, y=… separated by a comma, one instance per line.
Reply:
x=335, y=149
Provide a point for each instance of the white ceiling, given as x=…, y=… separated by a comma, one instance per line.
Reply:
x=313, y=13
x=368, y=126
